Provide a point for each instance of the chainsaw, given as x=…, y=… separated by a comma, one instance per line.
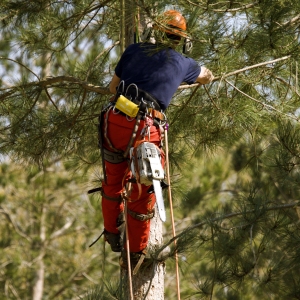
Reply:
x=147, y=169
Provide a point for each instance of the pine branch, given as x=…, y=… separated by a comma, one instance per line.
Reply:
x=84, y=27
x=94, y=88
x=49, y=81
x=239, y=71
x=98, y=56
x=19, y=63
x=66, y=284
x=50, y=99
x=224, y=217
x=292, y=21
x=263, y=104
x=294, y=88
x=176, y=117
x=244, y=6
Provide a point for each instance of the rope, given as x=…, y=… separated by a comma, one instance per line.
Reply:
x=127, y=244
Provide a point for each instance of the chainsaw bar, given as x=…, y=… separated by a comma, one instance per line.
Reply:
x=159, y=199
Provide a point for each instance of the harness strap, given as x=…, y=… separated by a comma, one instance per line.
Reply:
x=136, y=94
x=133, y=135
x=105, y=132
x=100, y=143
x=157, y=114
x=100, y=189
x=141, y=217
x=119, y=153
x=118, y=199
x=113, y=157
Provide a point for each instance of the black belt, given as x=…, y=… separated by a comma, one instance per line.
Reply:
x=154, y=113
x=146, y=102
x=137, y=95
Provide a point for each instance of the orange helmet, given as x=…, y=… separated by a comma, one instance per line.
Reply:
x=175, y=23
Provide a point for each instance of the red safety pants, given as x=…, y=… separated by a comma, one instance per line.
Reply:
x=119, y=131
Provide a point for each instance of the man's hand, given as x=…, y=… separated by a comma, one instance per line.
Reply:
x=205, y=76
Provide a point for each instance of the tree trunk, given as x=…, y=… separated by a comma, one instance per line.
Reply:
x=38, y=287
x=148, y=283
x=130, y=22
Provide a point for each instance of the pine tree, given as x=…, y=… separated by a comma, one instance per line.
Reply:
x=242, y=130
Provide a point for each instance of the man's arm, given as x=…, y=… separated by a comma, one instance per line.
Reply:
x=114, y=84
x=205, y=76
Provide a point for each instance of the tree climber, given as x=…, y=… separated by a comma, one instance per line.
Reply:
x=149, y=75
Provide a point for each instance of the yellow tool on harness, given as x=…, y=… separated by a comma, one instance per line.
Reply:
x=127, y=107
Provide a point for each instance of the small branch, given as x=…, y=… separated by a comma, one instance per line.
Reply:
x=59, y=79
x=90, y=87
x=82, y=30
x=65, y=284
x=211, y=99
x=89, y=278
x=215, y=262
x=227, y=9
x=185, y=104
x=15, y=226
x=294, y=88
x=292, y=21
x=263, y=104
x=98, y=56
x=50, y=99
x=80, y=107
x=239, y=71
x=62, y=230
x=17, y=62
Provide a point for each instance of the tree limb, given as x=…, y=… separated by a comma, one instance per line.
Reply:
x=62, y=230
x=105, y=90
x=239, y=71
x=245, y=6
x=228, y=216
x=263, y=104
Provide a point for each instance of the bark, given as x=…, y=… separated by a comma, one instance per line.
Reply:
x=38, y=287
x=148, y=284
x=130, y=22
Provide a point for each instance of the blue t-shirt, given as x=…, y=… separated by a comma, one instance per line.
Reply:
x=156, y=72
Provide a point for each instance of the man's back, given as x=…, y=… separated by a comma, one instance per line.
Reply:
x=157, y=71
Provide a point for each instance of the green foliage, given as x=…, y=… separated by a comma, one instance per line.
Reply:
x=46, y=215
x=234, y=148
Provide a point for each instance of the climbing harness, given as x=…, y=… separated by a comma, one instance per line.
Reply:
x=143, y=157
x=134, y=104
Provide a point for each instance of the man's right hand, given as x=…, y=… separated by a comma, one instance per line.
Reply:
x=205, y=76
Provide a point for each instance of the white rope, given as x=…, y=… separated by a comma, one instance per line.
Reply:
x=127, y=244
